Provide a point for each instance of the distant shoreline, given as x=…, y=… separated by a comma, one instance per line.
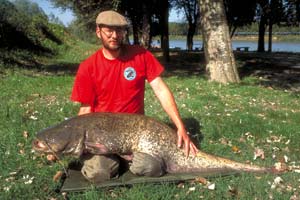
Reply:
x=276, y=37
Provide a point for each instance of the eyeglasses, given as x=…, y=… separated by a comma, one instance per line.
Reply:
x=110, y=31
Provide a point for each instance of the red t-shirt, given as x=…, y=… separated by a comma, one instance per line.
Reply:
x=116, y=85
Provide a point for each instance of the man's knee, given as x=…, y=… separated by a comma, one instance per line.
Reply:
x=97, y=168
x=146, y=165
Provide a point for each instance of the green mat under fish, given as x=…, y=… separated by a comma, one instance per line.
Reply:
x=75, y=182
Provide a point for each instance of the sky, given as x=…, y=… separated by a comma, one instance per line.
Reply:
x=67, y=16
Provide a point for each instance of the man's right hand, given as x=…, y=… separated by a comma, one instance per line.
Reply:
x=84, y=109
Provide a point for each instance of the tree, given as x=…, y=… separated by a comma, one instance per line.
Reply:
x=275, y=16
x=262, y=13
x=220, y=62
x=239, y=13
x=139, y=12
x=163, y=11
x=292, y=12
x=191, y=12
x=32, y=9
x=87, y=11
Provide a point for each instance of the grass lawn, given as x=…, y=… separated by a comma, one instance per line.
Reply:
x=233, y=121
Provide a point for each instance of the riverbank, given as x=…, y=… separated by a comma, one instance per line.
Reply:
x=279, y=37
x=250, y=42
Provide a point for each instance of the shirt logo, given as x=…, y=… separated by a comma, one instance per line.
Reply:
x=129, y=73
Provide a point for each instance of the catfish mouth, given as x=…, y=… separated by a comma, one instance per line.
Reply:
x=40, y=146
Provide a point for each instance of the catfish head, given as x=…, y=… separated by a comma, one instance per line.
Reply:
x=65, y=138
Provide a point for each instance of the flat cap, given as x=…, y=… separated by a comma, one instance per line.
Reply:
x=111, y=18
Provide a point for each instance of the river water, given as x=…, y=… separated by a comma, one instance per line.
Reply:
x=276, y=46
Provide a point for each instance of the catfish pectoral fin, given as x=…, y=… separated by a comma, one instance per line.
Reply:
x=96, y=148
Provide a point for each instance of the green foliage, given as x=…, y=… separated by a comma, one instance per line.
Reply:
x=178, y=28
x=29, y=8
x=26, y=36
x=83, y=32
x=21, y=20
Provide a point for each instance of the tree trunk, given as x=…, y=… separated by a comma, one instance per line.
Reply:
x=164, y=24
x=190, y=35
x=135, y=31
x=270, y=36
x=297, y=10
x=220, y=62
x=261, y=34
x=145, y=40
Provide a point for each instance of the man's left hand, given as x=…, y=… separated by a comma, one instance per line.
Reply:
x=189, y=146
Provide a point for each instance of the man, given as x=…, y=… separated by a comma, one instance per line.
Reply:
x=113, y=80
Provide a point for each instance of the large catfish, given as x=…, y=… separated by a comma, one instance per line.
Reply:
x=124, y=134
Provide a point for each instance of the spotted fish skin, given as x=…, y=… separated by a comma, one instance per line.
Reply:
x=124, y=134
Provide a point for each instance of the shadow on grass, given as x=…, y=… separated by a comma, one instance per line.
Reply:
x=193, y=128
x=277, y=70
x=183, y=63
x=61, y=69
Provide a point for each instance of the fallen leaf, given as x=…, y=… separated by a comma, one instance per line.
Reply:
x=249, y=136
x=224, y=141
x=20, y=145
x=295, y=197
x=235, y=149
x=6, y=189
x=51, y=157
x=13, y=173
x=113, y=194
x=65, y=195
x=233, y=191
x=9, y=179
x=211, y=186
x=25, y=134
x=287, y=142
x=57, y=176
x=278, y=180
x=277, y=183
x=259, y=153
x=242, y=139
x=33, y=117
x=201, y=180
x=180, y=185
x=289, y=188
x=286, y=149
x=258, y=177
x=274, y=139
x=22, y=151
x=280, y=167
x=286, y=159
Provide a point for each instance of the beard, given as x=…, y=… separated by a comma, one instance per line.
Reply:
x=112, y=45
